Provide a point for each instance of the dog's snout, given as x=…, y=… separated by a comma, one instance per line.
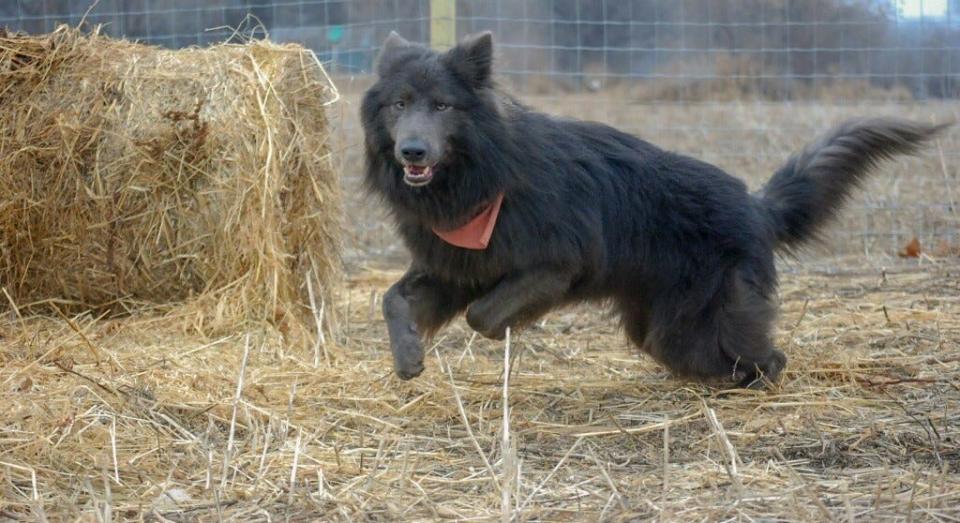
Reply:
x=413, y=151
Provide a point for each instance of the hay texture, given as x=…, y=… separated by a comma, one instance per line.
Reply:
x=133, y=175
x=129, y=420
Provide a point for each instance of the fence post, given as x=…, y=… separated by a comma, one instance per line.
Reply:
x=443, y=24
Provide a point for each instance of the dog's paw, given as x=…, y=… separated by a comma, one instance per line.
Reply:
x=407, y=357
x=763, y=376
x=410, y=372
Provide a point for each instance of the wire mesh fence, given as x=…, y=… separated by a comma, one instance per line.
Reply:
x=741, y=83
x=779, y=44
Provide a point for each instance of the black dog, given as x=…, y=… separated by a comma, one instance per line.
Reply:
x=510, y=213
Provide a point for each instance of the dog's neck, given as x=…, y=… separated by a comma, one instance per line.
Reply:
x=476, y=232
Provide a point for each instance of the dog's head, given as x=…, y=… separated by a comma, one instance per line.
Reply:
x=425, y=104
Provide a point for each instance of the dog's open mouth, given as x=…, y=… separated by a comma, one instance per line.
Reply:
x=417, y=175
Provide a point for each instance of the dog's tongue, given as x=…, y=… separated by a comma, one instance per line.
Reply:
x=416, y=170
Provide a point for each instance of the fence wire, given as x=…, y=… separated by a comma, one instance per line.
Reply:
x=741, y=83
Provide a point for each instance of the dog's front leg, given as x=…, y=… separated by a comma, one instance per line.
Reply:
x=518, y=299
x=417, y=305
x=404, y=339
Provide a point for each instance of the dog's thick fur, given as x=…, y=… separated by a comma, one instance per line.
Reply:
x=683, y=251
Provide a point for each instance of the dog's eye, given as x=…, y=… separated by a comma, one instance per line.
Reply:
x=400, y=105
x=440, y=106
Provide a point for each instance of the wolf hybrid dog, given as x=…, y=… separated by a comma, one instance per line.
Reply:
x=509, y=213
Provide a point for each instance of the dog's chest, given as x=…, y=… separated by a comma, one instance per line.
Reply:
x=473, y=267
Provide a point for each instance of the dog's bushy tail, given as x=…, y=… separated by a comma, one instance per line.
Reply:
x=803, y=195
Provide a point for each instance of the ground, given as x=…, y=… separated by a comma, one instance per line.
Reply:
x=145, y=418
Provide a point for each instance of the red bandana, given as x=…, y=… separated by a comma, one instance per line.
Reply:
x=475, y=234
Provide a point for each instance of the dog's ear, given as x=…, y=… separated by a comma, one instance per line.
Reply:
x=392, y=46
x=473, y=58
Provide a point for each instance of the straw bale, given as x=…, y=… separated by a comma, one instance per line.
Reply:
x=132, y=175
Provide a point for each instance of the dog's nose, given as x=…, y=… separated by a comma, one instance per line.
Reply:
x=413, y=151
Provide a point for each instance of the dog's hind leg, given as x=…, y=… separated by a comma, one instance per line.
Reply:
x=728, y=338
x=635, y=318
x=746, y=319
x=418, y=304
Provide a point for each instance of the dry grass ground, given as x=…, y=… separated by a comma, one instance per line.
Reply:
x=135, y=419
x=129, y=419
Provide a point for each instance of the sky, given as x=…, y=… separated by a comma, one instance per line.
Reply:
x=918, y=8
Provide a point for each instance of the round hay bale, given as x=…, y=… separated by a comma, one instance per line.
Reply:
x=133, y=175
